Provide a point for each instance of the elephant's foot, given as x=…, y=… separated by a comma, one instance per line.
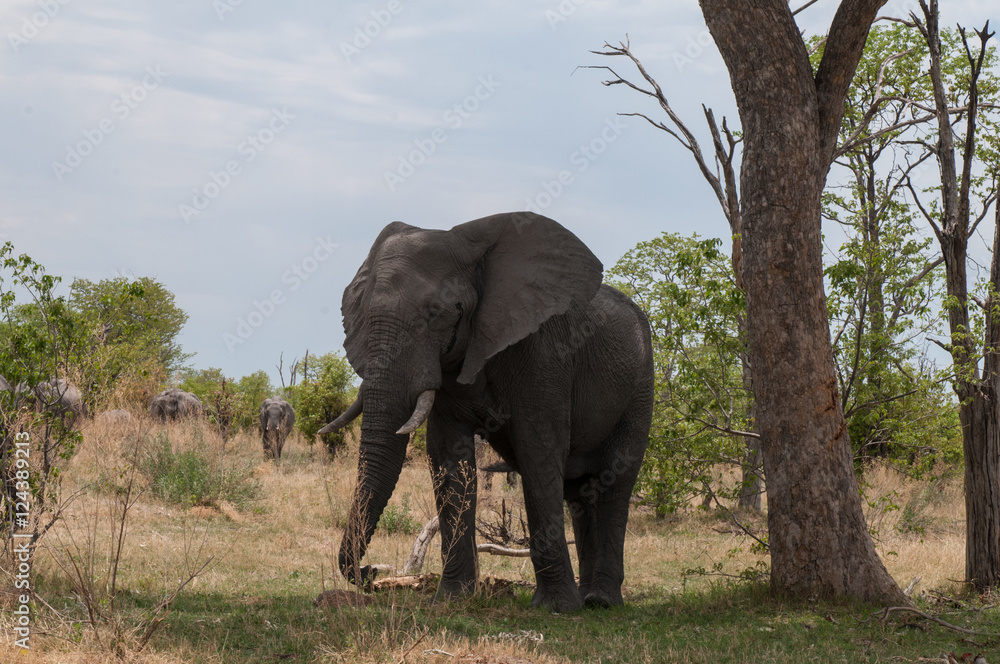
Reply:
x=450, y=589
x=603, y=598
x=558, y=599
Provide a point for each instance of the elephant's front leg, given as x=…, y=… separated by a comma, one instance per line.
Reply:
x=452, y=452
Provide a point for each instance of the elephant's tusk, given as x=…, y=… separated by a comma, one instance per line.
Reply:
x=420, y=412
x=344, y=418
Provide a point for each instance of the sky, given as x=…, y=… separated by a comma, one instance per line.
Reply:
x=246, y=153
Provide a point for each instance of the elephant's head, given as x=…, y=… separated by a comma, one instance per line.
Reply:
x=429, y=306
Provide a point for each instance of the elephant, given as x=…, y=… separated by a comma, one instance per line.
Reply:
x=175, y=404
x=276, y=420
x=56, y=395
x=118, y=417
x=500, y=327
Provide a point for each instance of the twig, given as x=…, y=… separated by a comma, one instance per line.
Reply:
x=889, y=609
x=410, y=649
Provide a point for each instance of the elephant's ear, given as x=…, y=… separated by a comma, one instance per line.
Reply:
x=356, y=301
x=531, y=269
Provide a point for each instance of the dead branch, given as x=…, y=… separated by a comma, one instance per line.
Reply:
x=498, y=550
x=415, y=562
x=909, y=609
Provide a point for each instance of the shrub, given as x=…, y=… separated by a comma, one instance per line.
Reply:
x=196, y=476
x=326, y=390
x=398, y=519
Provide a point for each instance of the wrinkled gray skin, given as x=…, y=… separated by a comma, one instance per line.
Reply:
x=117, y=417
x=276, y=420
x=57, y=395
x=505, y=321
x=174, y=404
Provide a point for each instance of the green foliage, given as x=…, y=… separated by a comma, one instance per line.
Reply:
x=398, y=519
x=686, y=288
x=39, y=336
x=196, y=476
x=325, y=391
x=133, y=327
x=882, y=284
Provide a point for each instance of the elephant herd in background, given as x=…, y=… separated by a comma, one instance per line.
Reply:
x=63, y=398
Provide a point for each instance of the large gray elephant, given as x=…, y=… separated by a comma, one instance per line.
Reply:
x=175, y=404
x=276, y=420
x=501, y=327
x=56, y=395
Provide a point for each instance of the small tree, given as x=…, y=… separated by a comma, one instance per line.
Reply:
x=325, y=390
x=131, y=343
x=687, y=290
x=38, y=337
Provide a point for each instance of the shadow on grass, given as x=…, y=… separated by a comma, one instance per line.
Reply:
x=728, y=623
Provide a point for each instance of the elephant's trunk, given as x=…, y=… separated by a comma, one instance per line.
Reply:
x=379, y=464
x=396, y=371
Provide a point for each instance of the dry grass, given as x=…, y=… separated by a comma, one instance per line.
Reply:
x=284, y=546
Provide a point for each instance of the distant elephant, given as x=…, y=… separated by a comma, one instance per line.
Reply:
x=175, y=404
x=276, y=420
x=57, y=395
x=115, y=417
x=501, y=327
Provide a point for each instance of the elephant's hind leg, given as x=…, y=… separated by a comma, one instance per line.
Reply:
x=600, y=518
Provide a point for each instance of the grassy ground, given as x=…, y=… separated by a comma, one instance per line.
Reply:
x=271, y=555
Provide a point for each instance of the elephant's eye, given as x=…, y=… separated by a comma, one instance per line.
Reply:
x=458, y=305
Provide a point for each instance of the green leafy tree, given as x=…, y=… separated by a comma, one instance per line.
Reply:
x=39, y=335
x=686, y=288
x=883, y=283
x=325, y=390
x=148, y=321
x=131, y=342
x=252, y=391
x=965, y=104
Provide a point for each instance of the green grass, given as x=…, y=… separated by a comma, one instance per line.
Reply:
x=727, y=623
x=255, y=602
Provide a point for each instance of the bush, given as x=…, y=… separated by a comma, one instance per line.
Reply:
x=196, y=476
x=398, y=519
x=326, y=391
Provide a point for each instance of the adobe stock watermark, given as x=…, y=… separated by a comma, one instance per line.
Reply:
x=371, y=29
x=32, y=25
x=262, y=310
x=21, y=542
x=562, y=12
x=693, y=50
x=218, y=181
x=121, y=108
x=223, y=7
x=454, y=118
x=580, y=159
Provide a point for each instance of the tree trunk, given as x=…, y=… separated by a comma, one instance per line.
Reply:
x=978, y=411
x=980, y=417
x=751, y=487
x=818, y=538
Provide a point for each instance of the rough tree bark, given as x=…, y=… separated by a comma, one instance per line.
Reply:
x=818, y=538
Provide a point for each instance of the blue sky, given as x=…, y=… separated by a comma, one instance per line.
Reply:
x=246, y=153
